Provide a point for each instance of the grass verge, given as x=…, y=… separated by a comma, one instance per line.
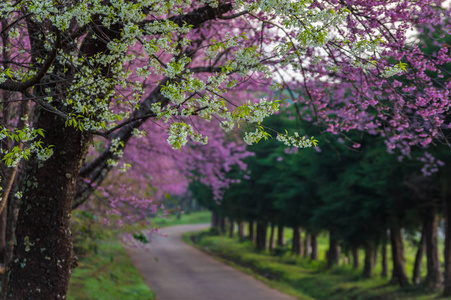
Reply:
x=301, y=277
x=109, y=274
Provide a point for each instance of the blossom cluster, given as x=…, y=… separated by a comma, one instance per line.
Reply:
x=297, y=140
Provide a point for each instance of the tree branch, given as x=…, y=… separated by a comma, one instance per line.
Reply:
x=197, y=16
x=11, y=85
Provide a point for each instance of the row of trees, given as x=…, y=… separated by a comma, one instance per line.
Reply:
x=365, y=199
x=80, y=80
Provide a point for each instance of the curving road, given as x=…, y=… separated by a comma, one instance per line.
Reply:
x=177, y=271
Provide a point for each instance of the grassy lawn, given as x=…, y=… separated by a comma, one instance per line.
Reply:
x=109, y=273
x=303, y=278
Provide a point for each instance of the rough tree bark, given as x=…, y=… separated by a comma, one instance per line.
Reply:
x=13, y=212
x=43, y=258
x=399, y=261
x=3, y=228
x=7, y=185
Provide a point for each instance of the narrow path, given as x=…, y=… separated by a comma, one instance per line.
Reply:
x=177, y=271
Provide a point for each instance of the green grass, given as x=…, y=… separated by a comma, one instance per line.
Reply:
x=301, y=277
x=199, y=217
x=109, y=274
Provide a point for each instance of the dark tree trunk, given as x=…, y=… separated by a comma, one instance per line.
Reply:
x=271, y=237
x=241, y=229
x=8, y=217
x=369, y=261
x=416, y=276
x=13, y=212
x=280, y=236
x=3, y=229
x=384, y=261
x=3, y=246
x=231, y=228
x=434, y=274
x=447, y=213
x=314, y=253
x=261, y=236
x=355, y=258
x=251, y=231
x=296, y=246
x=222, y=224
x=43, y=256
x=333, y=254
x=399, y=261
x=307, y=246
x=215, y=220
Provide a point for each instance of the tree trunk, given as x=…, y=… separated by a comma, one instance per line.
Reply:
x=3, y=246
x=355, y=258
x=231, y=228
x=261, y=236
x=8, y=218
x=314, y=253
x=333, y=254
x=447, y=254
x=222, y=224
x=251, y=231
x=434, y=273
x=384, y=272
x=369, y=261
x=307, y=246
x=241, y=228
x=214, y=220
x=3, y=229
x=271, y=237
x=43, y=256
x=399, y=261
x=280, y=236
x=13, y=212
x=296, y=244
x=416, y=276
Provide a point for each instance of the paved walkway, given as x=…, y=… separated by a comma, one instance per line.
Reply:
x=177, y=271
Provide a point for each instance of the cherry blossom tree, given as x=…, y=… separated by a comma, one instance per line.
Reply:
x=79, y=73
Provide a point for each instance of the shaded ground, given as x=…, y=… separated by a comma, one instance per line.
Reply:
x=177, y=271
